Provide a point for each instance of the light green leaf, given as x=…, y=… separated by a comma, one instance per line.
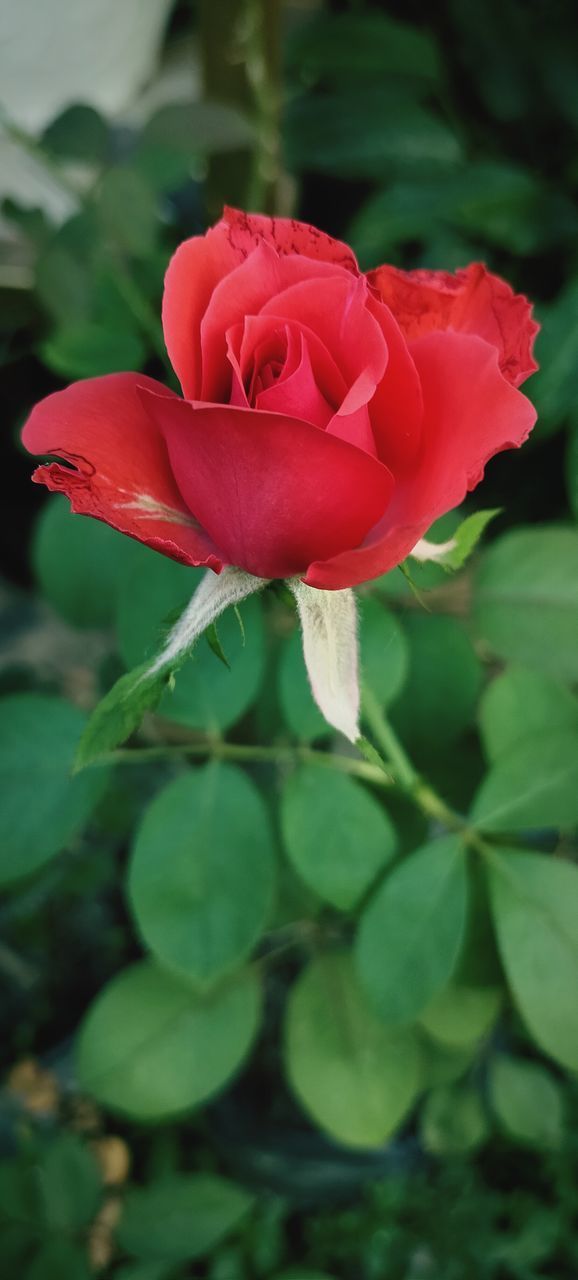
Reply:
x=535, y=906
x=120, y=713
x=459, y=1016
x=152, y=1048
x=202, y=871
x=522, y=704
x=356, y=1079
x=412, y=930
x=42, y=807
x=384, y=651
x=453, y=1121
x=452, y=555
x=181, y=1218
x=526, y=599
x=336, y=835
x=91, y=348
x=442, y=1064
x=527, y=1101
x=533, y=785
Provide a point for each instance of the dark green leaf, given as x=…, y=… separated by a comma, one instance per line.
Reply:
x=42, y=807
x=533, y=785
x=361, y=46
x=127, y=210
x=412, y=930
x=151, y=1047
x=181, y=1218
x=78, y=562
x=521, y=704
x=440, y=693
x=79, y=133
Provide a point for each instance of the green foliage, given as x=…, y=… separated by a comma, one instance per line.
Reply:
x=337, y=836
x=453, y=1121
x=526, y=599
x=355, y=1077
x=534, y=784
x=527, y=1101
x=202, y=870
x=459, y=1016
x=521, y=704
x=42, y=808
x=411, y=932
x=152, y=1047
x=178, y=1219
x=78, y=563
x=443, y=682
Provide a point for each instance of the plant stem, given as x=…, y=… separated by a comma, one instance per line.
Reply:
x=216, y=749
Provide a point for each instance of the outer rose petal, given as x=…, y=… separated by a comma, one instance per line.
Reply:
x=191, y=277
x=471, y=301
x=121, y=472
x=247, y=230
x=470, y=413
x=274, y=491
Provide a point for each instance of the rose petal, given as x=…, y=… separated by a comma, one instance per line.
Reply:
x=120, y=469
x=191, y=277
x=274, y=491
x=247, y=337
x=247, y=230
x=470, y=413
x=336, y=310
x=396, y=409
x=297, y=394
x=471, y=301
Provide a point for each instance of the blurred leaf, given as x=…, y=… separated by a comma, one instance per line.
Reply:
x=522, y=704
x=440, y=694
x=535, y=906
x=526, y=599
x=459, y=1016
x=411, y=931
x=78, y=133
x=453, y=1121
x=572, y=469
x=366, y=135
x=168, y=149
x=384, y=652
x=59, y=1259
x=356, y=1078
x=42, y=808
x=554, y=386
x=151, y=1047
x=443, y=1064
x=202, y=872
x=181, y=1218
x=77, y=562
x=119, y=713
x=336, y=834
x=127, y=210
x=361, y=46
x=70, y=1184
x=301, y=714
x=146, y=1271
x=91, y=348
x=206, y=694
x=527, y=1101
x=64, y=284
x=533, y=785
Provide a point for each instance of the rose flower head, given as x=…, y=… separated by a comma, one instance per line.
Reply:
x=328, y=417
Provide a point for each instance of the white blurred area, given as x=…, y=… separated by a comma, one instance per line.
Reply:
x=57, y=53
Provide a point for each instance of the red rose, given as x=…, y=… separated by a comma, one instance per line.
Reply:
x=329, y=417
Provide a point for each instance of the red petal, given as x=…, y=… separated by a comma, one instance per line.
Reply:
x=120, y=468
x=396, y=410
x=247, y=230
x=471, y=301
x=275, y=492
x=192, y=275
x=470, y=413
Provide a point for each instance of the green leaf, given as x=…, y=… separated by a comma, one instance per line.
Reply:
x=182, y=1217
x=59, y=1259
x=384, y=651
x=526, y=599
x=459, y=1016
x=571, y=469
x=78, y=133
x=466, y=538
x=146, y=1271
x=533, y=785
x=152, y=1048
x=336, y=835
x=522, y=704
x=527, y=1101
x=411, y=933
x=441, y=691
x=212, y=636
x=202, y=872
x=535, y=906
x=91, y=348
x=443, y=1064
x=42, y=807
x=120, y=713
x=206, y=694
x=78, y=563
x=554, y=385
x=127, y=210
x=366, y=135
x=357, y=1079
x=70, y=1184
x=300, y=713
x=360, y=46
x=453, y=1121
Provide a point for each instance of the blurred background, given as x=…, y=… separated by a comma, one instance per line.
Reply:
x=424, y=136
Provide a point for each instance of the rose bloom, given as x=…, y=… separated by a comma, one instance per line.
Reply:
x=327, y=416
